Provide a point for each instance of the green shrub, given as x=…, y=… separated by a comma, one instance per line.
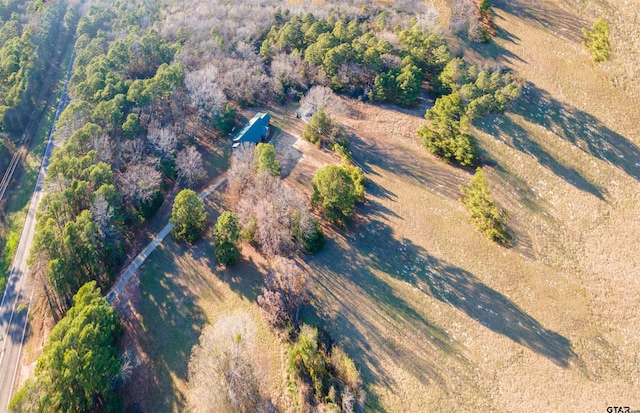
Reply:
x=322, y=131
x=307, y=359
x=598, y=41
x=484, y=213
x=328, y=377
x=335, y=193
x=318, y=126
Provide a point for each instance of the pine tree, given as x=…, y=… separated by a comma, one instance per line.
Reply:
x=189, y=216
x=226, y=237
x=484, y=213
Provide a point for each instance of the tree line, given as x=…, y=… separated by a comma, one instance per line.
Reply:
x=30, y=35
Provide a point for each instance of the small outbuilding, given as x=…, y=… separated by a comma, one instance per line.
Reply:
x=255, y=131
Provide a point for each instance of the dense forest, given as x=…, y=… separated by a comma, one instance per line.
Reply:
x=29, y=34
x=35, y=40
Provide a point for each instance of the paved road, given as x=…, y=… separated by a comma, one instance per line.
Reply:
x=16, y=300
x=128, y=273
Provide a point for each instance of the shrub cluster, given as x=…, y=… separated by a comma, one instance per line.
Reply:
x=469, y=94
x=323, y=377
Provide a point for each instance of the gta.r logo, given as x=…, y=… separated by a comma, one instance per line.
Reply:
x=618, y=409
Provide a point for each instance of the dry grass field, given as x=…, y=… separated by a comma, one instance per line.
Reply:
x=437, y=317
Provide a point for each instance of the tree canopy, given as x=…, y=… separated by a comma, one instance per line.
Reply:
x=79, y=364
x=227, y=234
x=266, y=159
x=189, y=216
x=597, y=40
x=334, y=191
x=468, y=94
x=484, y=213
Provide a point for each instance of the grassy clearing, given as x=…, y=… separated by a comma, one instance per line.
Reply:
x=181, y=290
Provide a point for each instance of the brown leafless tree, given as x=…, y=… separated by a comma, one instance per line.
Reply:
x=163, y=140
x=286, y=289
x=139, y=182
x=322, y=96
x=131, y=151
x=102, y=213
x=189, y=165
x=205, y=92
x=287, y=70
x=103, y=144
x=243, y=82
x=221, y=375
x=242, y=170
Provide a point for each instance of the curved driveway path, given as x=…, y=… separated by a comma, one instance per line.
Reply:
x=128, y=273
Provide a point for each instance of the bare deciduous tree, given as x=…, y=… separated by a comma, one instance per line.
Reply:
x=288, y=70
x=322, y=96
x=272, y=236
x=163, y=140
x=243, y=165
x=205, y=93
x=104, y=146
x=286, y=289
x=140, y=182
x=278, y=213
x=390, y=61
x=221, y=376
x=462, y=14
x=132, y=151
x=102, y=213
x=189, y=165
x=243, y=82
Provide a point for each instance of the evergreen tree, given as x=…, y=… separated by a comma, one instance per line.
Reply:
x=484, y=213
x=189, y=216
x=227, y=232
x=335, y=192
x=79, y=363
x=598, y=40
x=266, y=157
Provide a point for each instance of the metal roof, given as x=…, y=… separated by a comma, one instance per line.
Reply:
x=255, y=129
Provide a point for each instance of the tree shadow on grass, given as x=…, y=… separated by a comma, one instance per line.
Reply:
x=245, y=277
x=492, y=50
x=410, y=263
x=383, y=318
x=581, y=129
x=440, y=179
x=569, y=123
x=493, y=310
x=517, y=137
x=172, y=323
x=546, y=13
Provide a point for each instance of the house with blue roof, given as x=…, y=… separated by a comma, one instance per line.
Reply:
x=255, y=131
